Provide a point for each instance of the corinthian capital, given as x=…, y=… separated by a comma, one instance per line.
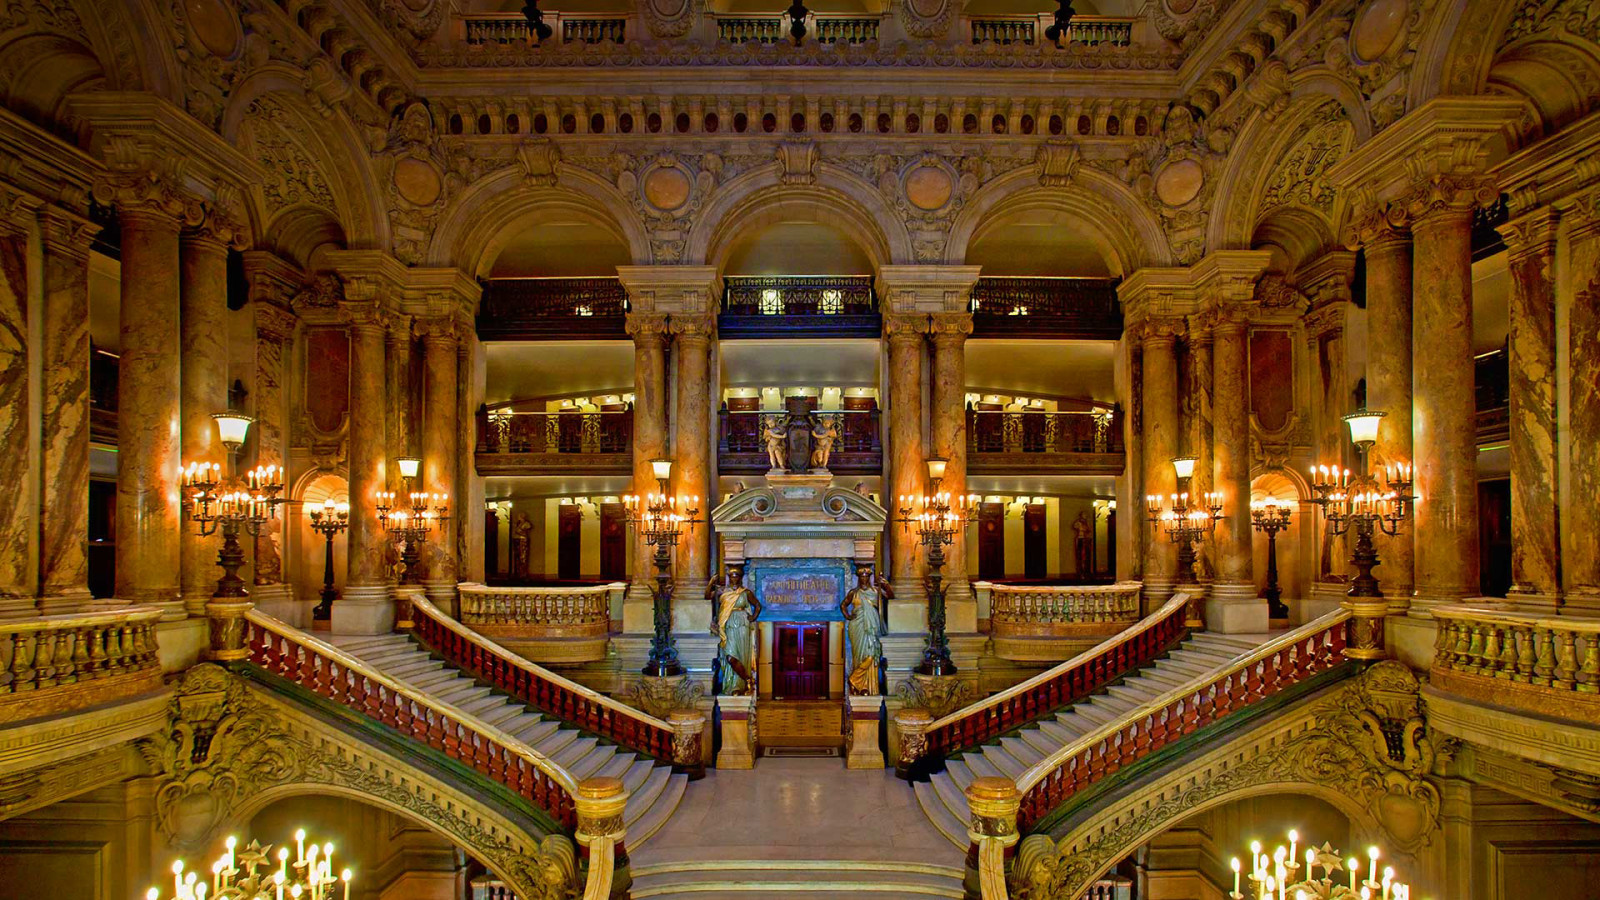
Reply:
x=902, y=327
x=1449, y=194
x=950, y=327
x=149, y=190
x=647, y=328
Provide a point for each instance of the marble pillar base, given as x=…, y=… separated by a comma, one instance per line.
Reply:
x=690, y=610
x=738, y=732
x=179, y=643
x=1158, y=589
x=638, y=610
x=1581, y=602
x=960, y=608
x=861, y=736
x=65, y=602
x=363, y=609
x=18, y=607
x=1235, y=609
x=909, y=615
x=443, y=596
x=1309, y=609
x=1534, y=602
x=277, y=601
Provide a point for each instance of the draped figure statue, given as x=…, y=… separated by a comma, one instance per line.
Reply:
x=735, y=630
x=863, y=613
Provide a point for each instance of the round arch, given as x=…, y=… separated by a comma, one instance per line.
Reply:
x=1560, y=79
x=1454, y=55
x=39, y=70
x=1129, y=237
x=133, y=40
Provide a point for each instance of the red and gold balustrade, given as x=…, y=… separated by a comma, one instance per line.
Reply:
x=56, y=664
x=1046, y=623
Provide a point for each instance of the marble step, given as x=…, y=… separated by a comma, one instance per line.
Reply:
x=819, y=878
x=939, y=813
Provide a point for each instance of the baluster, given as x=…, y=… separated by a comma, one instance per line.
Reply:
x=1544, y=664
x=1475, y=660
x=1491, y=650
x=22, y=654
x=1444, y=643
x=1507, y=664
x=1567, y=662
x=97, y=654
x=1589, y=672
x=1524, y=646
x=44, y=661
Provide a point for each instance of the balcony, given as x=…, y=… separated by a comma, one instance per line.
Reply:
x=1037, y=442
x=1028, y=29
x=772, y=29
x=512, y=28
x=1492, y=397
x=741, y=450
x=799, y=307
x=547, y=625
x=512, y=442
x=1049, y=308
x=1050, y=623
x=553, y=309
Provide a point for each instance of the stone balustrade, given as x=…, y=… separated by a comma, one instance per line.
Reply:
x=1052, y=622
x=543, y=624
x=1544, y=664
x=54, y=664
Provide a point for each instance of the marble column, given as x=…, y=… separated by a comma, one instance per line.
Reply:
x=649, y=442
x=1199, y=429
x=469, y=487
x=947, y=432
x=17, y=515
x=1387, y=247
x=907, y=467
x=365, y=607
x=1159, y=445
x=1535, y=516
x=274, y=331
x=399, y=439
x=1330, y=403
x=1131, y=529
x=1444, y=432
x=691, y=468
x=64, y=498
x=439, y=435
x=149, y=512
x=1233, y=606
x=1581, y=559
x=203, y=292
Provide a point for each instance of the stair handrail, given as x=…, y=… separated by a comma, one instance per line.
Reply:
x=1165, y=625
x=602, y=867
x=1325, y=636
x=657, y=734
x=436, y=733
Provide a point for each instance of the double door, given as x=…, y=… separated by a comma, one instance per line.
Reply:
x=800, y=661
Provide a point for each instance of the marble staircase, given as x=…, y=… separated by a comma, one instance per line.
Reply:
x=942, y=797
x=654, y=790
x=731, y=879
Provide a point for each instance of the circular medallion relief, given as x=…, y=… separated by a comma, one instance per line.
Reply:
x=927, y=9
x=417, y=181
x=1379, y=24
x=1180, y=7
x=666, y=188
x=1177, y=183
x=669, y=9
x=929, y=187
x=214, y=26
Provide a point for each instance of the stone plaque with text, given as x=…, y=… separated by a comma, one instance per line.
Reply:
x=799, y=590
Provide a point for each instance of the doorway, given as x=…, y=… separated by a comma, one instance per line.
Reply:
x=800, y=662
x=992, y=541
x=569, y=541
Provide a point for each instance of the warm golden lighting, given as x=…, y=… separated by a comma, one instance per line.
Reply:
x=1287, y=874
x=936, y=468
x=661, y=469
x=1183, y=466
x=247, y=873
x=232, y=427
x=1364, y=425
x=409, y=466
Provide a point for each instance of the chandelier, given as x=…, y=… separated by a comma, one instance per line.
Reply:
x=412, y=525
x=216, y=501
x=1282, y=876
x=937, y=517
x=254, y=872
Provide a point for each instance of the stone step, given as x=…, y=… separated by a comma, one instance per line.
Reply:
x=933, y=806
x=811, y=878
x=1005, y=762
x=661, y=807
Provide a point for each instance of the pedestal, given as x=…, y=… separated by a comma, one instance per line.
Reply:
x=277, y=601
x=363, y=609
x=738, y=732
x=1235, y=609
x=861, y=735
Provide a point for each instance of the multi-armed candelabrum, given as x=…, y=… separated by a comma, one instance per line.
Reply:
x=331, y=519
x=1282, y=876
x=660, y=519
x=216, y=501
x=1186, y=525
x=412, y=524
x=938, y=517
x=1361, y=502
x=254, y=872
x=1270, y=517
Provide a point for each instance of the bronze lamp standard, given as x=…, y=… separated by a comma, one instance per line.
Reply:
x=220, y=502
x=938, y=519
x=1186, y=526
x=413, y=523
x=661, y=519
x=328, y=521
x=1269, y=517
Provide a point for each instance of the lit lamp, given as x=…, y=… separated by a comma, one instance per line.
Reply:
x=254, y=872
x=937, y=517
x=413, y=522
x=1186, y=525
x=232, y=428
x=215, y=501
x=1270, y=517
x=329, y=520
x=1288, y=873
x=660, y=519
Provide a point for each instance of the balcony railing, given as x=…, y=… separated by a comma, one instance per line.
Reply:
x=544, y=309
x=799, y=306
x=1549, y=665
x=858, y=450
x=1004, y=441
x=512, y=441
x=1026, y=620
x=772, y=29
x=1055, y=308
x=1021, y=29
x=552, y=625
x=512, y=28
x=54, y=664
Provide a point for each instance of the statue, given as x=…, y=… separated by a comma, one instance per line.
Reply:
x=521, y=530
x=863, y=614
x=775, y=441
x=1083, y=544
x=735, y=630
x=825, y=433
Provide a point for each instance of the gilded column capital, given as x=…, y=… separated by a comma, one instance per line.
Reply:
x=148, y=191
x=65, y=233
x=1533, y=233
x=904, y=327
x=950, y=328
x=1450, y=194
x=693, y=330
x=434, y=329
x=222, y=227
x=648, y=329
x=1162, y=329
x=1231, y=319
x=365, y=316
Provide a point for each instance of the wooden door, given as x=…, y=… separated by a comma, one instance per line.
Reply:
x=1035, y=549
x=801, y=667
x=613, y=543
x=992, y=541
x=569, y=542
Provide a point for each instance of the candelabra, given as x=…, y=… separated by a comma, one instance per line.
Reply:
x=412, y=525
x=248, y=873
x=1282, y=876
x=1186, y=526
x=215, y=501
x=661, y=519
x=328, y=521
x=1270, y=518
x=937, y=517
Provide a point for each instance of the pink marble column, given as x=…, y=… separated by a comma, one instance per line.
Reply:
x=439, y=434
x=947, y=427
x=649, y=442
x=1199, y=428
x=1330, y=402
x=1535, y=518
x=274, y=332
x=907, y=457
x=1387, y=247
x=692, y=466
x=469, y=487
x=1235, y=606
x=1444, y=432
x=203, y=292
x=17, y=521
x=148, y=391
x=400, y=438
x=1582, y=519
x=64, y=499
x=1130, y=521
x=1159, y=446
x=364, y=607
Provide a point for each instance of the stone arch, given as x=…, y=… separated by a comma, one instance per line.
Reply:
x=1295, y=234
x=476, y=228
x=306, y=547
x=1455, y=53
x=1121, y=224
x=39, y=70
x=760, y=197
x=134, y=41
x=1559, y=78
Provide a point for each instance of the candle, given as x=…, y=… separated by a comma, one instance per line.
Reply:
x=1311, y=862
x=1236, y=877
x=345, y=877
x=1372, y=867
x=1351, y=865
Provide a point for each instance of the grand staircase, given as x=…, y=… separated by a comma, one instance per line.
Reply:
x=812, y=879
x=942, y=797
x=655, y=790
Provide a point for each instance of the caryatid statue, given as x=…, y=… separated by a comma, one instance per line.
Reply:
x=863, y=614
x=735, y=630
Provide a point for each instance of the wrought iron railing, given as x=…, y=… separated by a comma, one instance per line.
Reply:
x=1544, y=664
x=858, y=449
x=1022, y=29
x=574, y=432
x=552, y=308
x=798, y=295
x=61, y=663
x=1084, y=308
x=1037, y=431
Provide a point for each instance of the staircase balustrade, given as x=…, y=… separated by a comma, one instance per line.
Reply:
x=336, y=676
x=54, y=664
x=545, y=691
x=543, y=624
x=1054, y=610
x=1272, y=668
x=1544, y=664
x=1067, y=683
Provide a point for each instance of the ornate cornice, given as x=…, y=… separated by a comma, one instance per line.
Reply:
x=1433, y=155
x=690, y=292
x=927, y=289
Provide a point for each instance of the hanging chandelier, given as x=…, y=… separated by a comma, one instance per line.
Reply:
x=1283, y=875
x=254, y=872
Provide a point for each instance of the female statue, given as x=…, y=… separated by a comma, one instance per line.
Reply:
x=864, y=629
x=735, y=630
